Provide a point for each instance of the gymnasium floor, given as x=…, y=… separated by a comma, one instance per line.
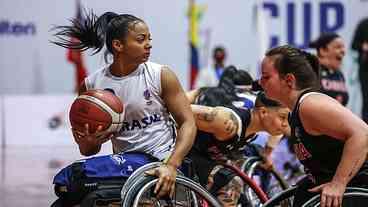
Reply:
x=26, y=174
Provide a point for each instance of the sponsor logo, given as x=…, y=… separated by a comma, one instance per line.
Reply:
x=330, y=16
x=17, y=28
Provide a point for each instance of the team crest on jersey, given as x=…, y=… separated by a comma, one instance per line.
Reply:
x=118, y=159
x=147, y=95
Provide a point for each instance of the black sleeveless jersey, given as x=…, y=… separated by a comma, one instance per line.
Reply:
x=207, y=145
x=333, y=84
x=321, y=154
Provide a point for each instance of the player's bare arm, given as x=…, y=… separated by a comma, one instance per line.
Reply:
x=178, y=105
x=334, y=120
x=219, y=121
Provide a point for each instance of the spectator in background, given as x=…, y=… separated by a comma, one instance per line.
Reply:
x=360, y=44
x=330, y=51
x=210, y=76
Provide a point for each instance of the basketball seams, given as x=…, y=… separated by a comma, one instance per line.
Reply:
x=97, y=107
x=115, y=117
x=110, y=99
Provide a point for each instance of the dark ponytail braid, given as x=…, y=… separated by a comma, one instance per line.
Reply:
x=95, y=31
x=303, y=65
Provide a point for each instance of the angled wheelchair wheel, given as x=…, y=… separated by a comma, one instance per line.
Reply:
x=282, y=199
x=271, y=182
x=136, y=175
x=353, y=197
x=188, y=194
x=247, y=162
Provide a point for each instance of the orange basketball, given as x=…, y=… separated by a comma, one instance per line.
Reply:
x=97, y=107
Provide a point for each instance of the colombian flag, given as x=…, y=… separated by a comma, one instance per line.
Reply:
x=194, y=15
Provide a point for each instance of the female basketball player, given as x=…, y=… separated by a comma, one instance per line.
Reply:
x=222, y=135
x=149, y=91
x=329, y=140
x=330, y=51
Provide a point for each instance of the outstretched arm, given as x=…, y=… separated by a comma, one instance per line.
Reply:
x=222, y=122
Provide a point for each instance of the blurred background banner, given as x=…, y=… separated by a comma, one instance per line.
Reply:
x=42, y=121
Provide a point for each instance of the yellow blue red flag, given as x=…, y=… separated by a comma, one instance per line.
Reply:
x=194, y=14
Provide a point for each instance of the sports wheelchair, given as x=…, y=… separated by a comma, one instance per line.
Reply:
x=137, y=190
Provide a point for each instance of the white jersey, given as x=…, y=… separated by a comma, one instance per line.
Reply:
x=147, y=124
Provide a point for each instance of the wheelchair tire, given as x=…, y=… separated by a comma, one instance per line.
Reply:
x=249, y=167
x=350, y=194
x=146, y=183
x=136, y=175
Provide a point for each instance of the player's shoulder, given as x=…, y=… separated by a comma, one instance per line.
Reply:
x=103, y=71
x=154, y=65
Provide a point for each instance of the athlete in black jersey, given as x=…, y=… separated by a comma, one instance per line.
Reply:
x=329, y=139
x=331, y=50
x=224, y=131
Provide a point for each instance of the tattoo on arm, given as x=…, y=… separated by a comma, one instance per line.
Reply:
x=233, y=118
x=208, y=115
x=233, y=125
